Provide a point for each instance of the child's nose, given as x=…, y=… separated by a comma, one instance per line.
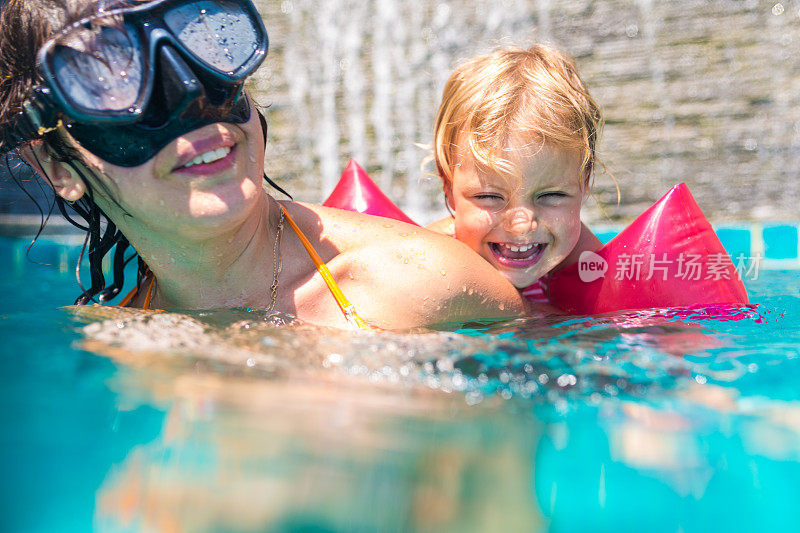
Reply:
x=520, y=220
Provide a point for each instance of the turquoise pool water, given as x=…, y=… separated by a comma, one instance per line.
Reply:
x=219, y=421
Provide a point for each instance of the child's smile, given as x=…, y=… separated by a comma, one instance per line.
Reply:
x=523, y=228
x=517, y=255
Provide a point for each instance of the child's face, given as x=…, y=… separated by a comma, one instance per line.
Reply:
x=523, y=229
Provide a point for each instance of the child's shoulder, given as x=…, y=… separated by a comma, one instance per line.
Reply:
x=445, y=226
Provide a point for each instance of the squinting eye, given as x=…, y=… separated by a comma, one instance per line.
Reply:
x=552, y=197
x=488, y=196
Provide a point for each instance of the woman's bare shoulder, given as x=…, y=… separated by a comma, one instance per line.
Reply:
x=430, y=278
x=401, y=275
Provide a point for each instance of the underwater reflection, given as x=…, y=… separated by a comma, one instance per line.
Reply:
x=279, y=447
x=626, y=422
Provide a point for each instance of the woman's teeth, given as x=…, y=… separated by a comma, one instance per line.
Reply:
x=210, y=157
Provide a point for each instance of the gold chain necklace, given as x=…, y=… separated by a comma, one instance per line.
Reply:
x=277, y=261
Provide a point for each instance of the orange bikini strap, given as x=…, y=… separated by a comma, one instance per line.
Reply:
x=344, y=304
x=135, y=291
x=149, y=295
x=128, y=297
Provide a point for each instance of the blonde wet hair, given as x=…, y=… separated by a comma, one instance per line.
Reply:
x=533, y=94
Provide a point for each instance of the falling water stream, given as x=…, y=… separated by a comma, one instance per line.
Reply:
x=701, y=92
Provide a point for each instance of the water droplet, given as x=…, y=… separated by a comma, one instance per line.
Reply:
x=566, y=380
x=473, y=398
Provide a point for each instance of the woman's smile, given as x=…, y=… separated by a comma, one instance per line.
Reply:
x=210, y=162
x=205, y=152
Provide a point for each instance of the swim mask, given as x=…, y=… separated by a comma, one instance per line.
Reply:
x=130, y=79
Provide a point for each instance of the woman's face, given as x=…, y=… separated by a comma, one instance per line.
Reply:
x=201, y=183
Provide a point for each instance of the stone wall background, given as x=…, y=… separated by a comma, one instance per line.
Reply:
x=701, y=91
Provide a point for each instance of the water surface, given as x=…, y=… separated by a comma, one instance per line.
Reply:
x=221, y=421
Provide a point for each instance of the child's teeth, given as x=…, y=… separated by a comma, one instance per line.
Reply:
x=210, y=156
x=523, y=248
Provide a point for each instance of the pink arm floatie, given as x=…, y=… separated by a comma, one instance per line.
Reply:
x=357, y=192
x=672, y=243
x=674, y=246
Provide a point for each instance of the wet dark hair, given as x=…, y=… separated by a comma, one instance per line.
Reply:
x=26, y=26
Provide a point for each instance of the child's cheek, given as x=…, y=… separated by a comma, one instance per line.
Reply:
x=571, y=224
x=473, y=228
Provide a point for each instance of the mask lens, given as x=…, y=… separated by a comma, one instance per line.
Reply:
x=220, y=33
x=100, y=69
